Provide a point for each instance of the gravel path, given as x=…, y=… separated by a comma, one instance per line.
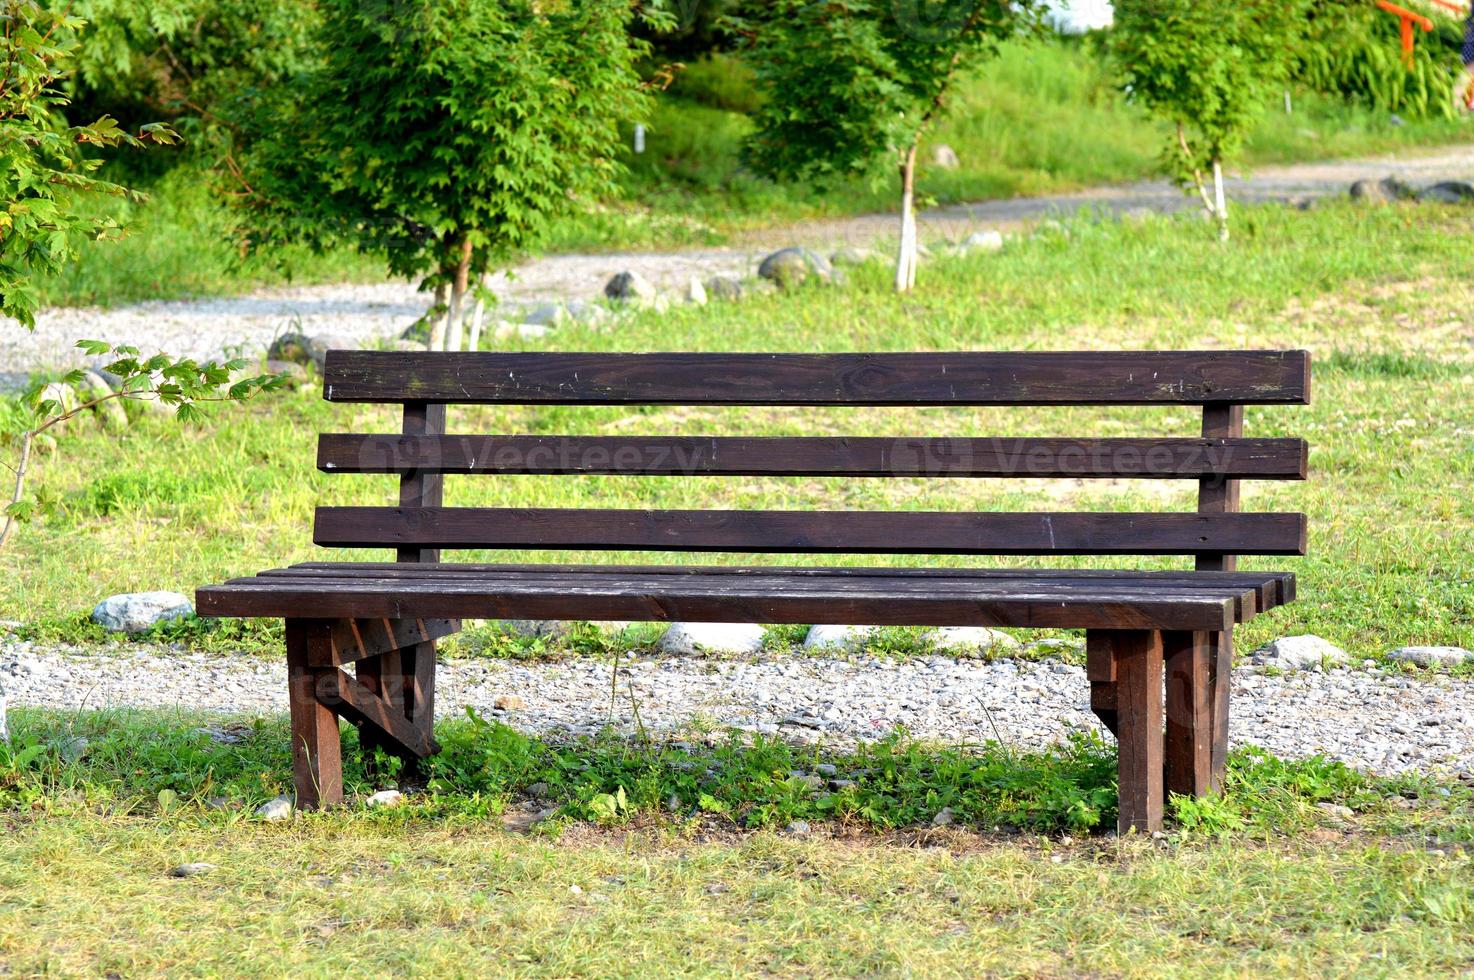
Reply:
x=206, y=328
x=1369, y=719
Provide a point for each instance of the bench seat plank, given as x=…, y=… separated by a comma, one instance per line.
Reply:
x=1062, y=599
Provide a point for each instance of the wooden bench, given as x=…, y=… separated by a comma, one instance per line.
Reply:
x=1146, y=631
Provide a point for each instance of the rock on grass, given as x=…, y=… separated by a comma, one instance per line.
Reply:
x=1431, y=656
x=1299, y=653
x=135, y=612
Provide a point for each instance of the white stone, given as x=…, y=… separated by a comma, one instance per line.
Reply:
x=1431, y=656
x=945, y=157
x=974, y=639
x=690, y=639
x=135, y=612
x=990, y=240
x=943, y=818
x=837, y=637
x=694, y=293
x=1299, y=653
x=385, y=797
x=276, y=810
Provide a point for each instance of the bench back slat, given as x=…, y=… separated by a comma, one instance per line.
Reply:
x=962, y=378
x=1264, y=459
x=812, y=532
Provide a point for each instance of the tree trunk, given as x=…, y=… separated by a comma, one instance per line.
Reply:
x=458, y=296
x=906, y=257
x=438, y=325
x=477, y=318
x=1220, y=203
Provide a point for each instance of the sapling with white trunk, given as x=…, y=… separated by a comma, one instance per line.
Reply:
x=854, y=86
x=1208, y=68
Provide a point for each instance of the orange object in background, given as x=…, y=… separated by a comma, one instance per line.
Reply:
x=1408, y=18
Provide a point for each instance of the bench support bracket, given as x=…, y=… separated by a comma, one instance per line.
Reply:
x=391, y=700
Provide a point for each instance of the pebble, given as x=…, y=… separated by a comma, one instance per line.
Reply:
x=190, y=870
x=1372, y=719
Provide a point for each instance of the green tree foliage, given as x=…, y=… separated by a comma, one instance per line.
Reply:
x=445, y=135
x=1208, y=67
x=854, y=84
x=185, y=61
x=45, y=179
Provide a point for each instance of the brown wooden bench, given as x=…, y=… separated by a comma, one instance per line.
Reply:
x=1146, y=631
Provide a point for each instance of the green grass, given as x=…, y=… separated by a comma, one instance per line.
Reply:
x=437, y=886
x=1379, y=297
x=1045, y=117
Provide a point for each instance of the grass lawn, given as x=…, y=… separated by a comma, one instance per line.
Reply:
x=621, y=880
x=454, y=883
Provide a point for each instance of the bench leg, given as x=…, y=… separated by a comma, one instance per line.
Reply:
x=1190, y=669
x=317, y=765
x=1136, y=657
x=1220, y=679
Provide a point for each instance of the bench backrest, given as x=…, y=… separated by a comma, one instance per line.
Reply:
x=1221, y=382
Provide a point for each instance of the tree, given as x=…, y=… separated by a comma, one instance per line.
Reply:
x=46, y=180
x=854, y=83
x=446, y=135
x=1208, y=67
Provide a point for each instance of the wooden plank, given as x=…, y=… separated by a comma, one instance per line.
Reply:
x=1189, y=743
x=353, y=640
x=317, y=768
x=953, y=378
x=1139, y=718
x=357, y=703
x=1096, y=608
x=1272, y=459
x=1246, y=592
x=655, y=587
x=1270, y=589
x=811, y=532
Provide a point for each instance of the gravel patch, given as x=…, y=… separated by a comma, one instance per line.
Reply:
x=1371, y=719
